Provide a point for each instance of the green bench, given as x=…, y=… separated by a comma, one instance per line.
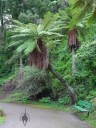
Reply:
x=83, y=106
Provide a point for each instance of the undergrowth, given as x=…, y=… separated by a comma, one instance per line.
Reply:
x=2, y=118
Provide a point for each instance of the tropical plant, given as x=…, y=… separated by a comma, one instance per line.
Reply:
x=34, y=40
x=81, y=8
x=34, y=82
x=45, y=100
x=74, y=32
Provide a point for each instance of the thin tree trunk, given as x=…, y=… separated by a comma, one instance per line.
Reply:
x=68, y=87
x=21, y=63
x=54, y=93
x=73, y=62
x=2, y=24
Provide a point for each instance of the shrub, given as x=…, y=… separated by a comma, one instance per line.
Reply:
x=64, y=100
x=45, y=100
x=34, y=81
x=1, y=113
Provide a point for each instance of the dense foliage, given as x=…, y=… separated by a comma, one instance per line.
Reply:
x=63, y=18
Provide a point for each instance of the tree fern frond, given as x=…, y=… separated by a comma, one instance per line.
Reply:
x=18, y=23
x=92, y=18
x=30, y=47
x=45, y=33
x=20, y=36
x=22, y=47
x=15, y=43
x=32, y=28
x=49, y=21
x=73, y=1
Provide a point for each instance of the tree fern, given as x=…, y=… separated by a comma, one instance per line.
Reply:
x=34, y=39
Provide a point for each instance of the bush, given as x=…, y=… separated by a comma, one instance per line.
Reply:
x=64, y=100
x=17, y=96
x=1, y=113
x=45, y=100
x=34, y=81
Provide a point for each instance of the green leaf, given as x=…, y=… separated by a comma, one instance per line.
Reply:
x=72, y=1
x=80, y=25
x=30, y=47
x=92, y=18
x=15, y=43
x=18, y=23
x=22, y=47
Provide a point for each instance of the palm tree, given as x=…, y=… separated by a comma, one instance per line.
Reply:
x=33, y=40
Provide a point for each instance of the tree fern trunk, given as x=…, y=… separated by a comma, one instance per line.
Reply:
x=72, y=94
x=21, y=63
x=1, y=17
x=73, y=62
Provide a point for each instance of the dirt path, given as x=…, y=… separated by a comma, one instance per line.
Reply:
x=39, y=118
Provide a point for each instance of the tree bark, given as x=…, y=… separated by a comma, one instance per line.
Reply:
x=21, y=63
x=72, y=94
x=73, y=62
x=1, y=17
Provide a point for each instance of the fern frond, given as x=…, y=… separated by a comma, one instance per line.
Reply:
x=18, y=23
x=30, y=47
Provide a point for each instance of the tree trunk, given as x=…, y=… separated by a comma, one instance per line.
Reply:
x=73, y=62
x=1, y=17
x=2, y=24
x=21, y=63
x=68, y=87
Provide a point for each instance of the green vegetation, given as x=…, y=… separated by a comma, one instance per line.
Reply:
x=48, y=53
x=2, y=118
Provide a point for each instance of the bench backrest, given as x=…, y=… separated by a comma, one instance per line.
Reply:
x=85, y=104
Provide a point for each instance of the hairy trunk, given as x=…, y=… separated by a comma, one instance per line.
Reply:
x=2, y=24
x=21, y=63
x=73, y=62
x=68, y=87
x=74, y=44
x=40, y=58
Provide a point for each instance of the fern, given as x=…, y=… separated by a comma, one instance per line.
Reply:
x=28, y=34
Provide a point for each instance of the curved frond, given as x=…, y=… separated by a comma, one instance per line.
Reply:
x=30, y=47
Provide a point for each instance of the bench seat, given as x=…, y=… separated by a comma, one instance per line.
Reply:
x=80, y=108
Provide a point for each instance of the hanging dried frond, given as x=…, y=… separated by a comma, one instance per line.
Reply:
x=40, y=56
x=72, y=40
